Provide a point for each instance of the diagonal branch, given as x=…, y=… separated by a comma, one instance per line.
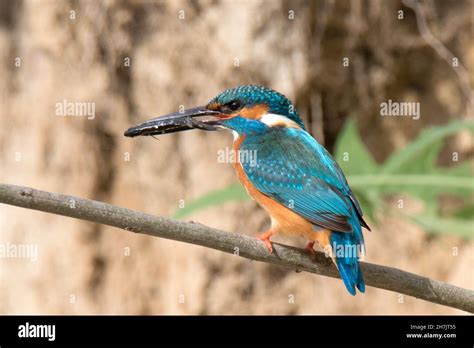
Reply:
x=382, y=277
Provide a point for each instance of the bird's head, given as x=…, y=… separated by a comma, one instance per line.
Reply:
x=241, y=109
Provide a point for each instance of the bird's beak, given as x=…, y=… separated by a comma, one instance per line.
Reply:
x=177, y=122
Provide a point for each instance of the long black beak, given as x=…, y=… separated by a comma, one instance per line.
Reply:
x=176, y=122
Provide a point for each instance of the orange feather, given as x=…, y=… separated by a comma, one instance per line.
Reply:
x=284, y=220
x=255, y=112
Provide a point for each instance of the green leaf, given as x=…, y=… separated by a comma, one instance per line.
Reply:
x=426, y=141
x=351, y=153
x=465, y=213
x=461, y=171
x=436, y=225
x=420, y=158
x=234, y=192
x=418, y=185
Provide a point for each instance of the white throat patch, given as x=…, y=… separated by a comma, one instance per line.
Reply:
x=278, y=120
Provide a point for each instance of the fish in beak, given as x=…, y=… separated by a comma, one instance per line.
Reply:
x=195, y=118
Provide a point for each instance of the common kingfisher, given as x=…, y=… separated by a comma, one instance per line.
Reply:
x=294, y=178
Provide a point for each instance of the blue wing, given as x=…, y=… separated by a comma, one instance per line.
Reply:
x=295, y=170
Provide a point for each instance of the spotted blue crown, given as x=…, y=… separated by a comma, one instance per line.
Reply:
x=250, y=95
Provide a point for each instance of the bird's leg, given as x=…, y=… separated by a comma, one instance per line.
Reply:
x=309, y=247
x=265, y=237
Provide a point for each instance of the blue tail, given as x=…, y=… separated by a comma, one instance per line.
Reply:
x=345, y=249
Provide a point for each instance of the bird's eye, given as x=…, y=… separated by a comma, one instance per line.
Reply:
x=234, y=105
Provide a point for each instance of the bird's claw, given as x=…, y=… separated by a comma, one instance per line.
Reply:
x=265, y=237
x=268, y=243
x=309, y=248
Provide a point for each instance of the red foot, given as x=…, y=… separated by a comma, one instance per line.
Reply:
x=265, y=237
x=309, y=248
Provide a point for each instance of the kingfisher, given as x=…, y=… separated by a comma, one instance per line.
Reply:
x=293, y=177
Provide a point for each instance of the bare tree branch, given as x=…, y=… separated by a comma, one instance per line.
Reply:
x=443, y=52
x=375, y=275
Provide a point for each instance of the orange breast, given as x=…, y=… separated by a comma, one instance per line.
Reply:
x=283, y=219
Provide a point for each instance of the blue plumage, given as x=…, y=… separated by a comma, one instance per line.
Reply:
x=295, y=170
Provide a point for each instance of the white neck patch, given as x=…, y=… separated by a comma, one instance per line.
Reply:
x=278, y=120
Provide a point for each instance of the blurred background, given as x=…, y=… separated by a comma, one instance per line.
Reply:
x=133, y=60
